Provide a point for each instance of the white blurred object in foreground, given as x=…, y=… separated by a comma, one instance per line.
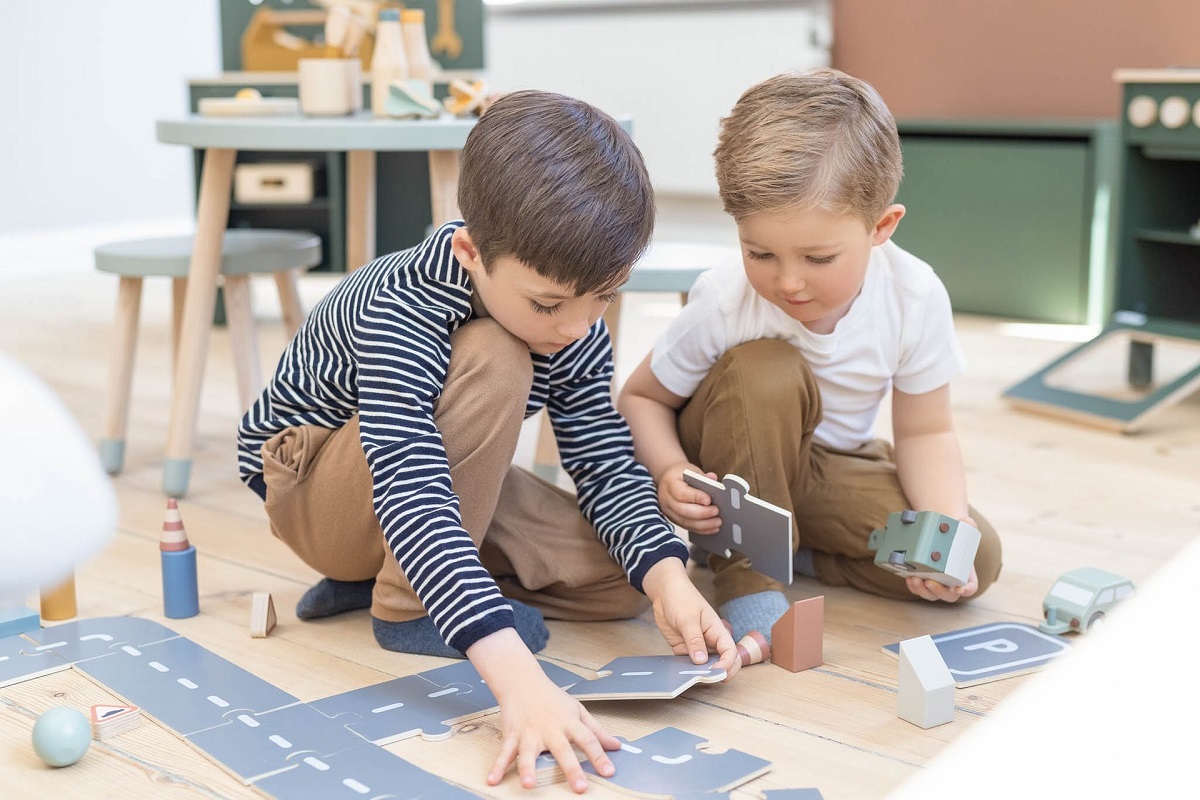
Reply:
x=57, y=507
x=1107, y=720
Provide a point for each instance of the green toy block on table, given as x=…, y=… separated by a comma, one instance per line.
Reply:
x=927, y=545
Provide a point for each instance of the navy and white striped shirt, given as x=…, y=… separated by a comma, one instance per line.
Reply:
x=379, y=345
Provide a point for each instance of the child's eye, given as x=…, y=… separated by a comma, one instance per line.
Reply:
x=611, y=297
x=758, y=256
x=822, y=259
x=541, y=309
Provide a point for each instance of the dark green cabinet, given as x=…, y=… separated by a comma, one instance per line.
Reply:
x=1015, y=217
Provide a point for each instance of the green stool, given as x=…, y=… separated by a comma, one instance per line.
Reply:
x=244, y=252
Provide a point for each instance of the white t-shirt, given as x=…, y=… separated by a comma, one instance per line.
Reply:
x=899, y=330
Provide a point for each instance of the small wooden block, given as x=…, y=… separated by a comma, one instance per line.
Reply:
x=262, y=614
x=58, y=602
x=797, y=638
x=753, y=649
x=113, y=720
x=925, y=692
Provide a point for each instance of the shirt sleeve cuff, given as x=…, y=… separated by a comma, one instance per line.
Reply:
x=675, y=549
x=489, y=624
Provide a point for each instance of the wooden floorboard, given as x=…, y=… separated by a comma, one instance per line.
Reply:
x=1061, y=495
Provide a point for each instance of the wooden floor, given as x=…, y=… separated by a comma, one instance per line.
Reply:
x=1061, y=495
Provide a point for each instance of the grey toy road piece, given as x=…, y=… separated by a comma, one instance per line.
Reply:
x=47, y=650
x=926, y=545
x=758, y=530
x=991, y=652
x=647, y=677
x=669, y=762
x=427, y=703
x=253, y=746
x=792, y=794
x=19, y=661
x=364, y=771
x=182, y=685
x=90, y=638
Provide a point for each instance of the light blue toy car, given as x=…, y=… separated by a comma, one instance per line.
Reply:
x=1080, y=598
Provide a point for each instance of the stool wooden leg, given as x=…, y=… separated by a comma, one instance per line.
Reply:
x=239, y=310
x=288, y=283
x=120, y=375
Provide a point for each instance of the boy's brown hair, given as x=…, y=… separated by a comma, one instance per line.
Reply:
x=816, y=139
x=560, y=186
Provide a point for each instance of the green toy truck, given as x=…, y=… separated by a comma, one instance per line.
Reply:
x=926, y=544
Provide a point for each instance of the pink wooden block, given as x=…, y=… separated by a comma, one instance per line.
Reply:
x=797, y=637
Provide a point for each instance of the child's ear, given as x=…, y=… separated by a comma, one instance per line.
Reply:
x=465, y=251
x=887, y=223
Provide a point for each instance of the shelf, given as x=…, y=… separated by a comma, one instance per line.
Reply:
x=1167, y=236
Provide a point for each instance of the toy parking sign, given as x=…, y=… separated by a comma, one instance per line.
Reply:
x=991, y=652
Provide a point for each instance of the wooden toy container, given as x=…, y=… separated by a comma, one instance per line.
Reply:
x=269, y=42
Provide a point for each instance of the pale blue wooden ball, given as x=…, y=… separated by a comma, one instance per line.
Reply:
x=61, y=736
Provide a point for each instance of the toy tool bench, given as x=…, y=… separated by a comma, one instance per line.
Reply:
x=1156, y=328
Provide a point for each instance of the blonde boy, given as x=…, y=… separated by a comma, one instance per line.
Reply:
x=776, y=371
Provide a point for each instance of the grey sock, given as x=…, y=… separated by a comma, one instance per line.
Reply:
x=329, y=597
x=420, y=636
x=754, y=612
x=802, y=563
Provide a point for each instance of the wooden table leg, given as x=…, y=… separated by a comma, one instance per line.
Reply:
x=360, y=208
x=443, y=185
x=212, y=216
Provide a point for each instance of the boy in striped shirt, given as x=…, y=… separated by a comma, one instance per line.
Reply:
x=382, y=446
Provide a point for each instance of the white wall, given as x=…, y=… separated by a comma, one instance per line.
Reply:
x=86, y=81
x=675, y=67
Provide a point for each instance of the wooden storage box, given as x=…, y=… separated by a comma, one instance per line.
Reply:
x=273, y=182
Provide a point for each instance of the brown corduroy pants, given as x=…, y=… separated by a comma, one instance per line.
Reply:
x=531, y=535
x=754, y=416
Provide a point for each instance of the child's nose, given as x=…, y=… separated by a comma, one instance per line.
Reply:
x=575, y=326
x=792, y=281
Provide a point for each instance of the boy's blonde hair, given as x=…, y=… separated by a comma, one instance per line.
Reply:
x=817, y=139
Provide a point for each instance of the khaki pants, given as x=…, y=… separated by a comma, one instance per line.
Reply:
x=531, y=535
x=754, y=416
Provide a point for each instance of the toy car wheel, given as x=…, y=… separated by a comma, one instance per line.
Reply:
x=1096, y=622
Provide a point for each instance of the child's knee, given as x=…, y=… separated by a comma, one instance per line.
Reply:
x=767, y=370
x=765, y=373
x=489, y=355
x=626, y=604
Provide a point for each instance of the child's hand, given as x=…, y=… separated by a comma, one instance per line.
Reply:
x=932, y=590
x=685, y=619
x=536, y=716
x=688, y=508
